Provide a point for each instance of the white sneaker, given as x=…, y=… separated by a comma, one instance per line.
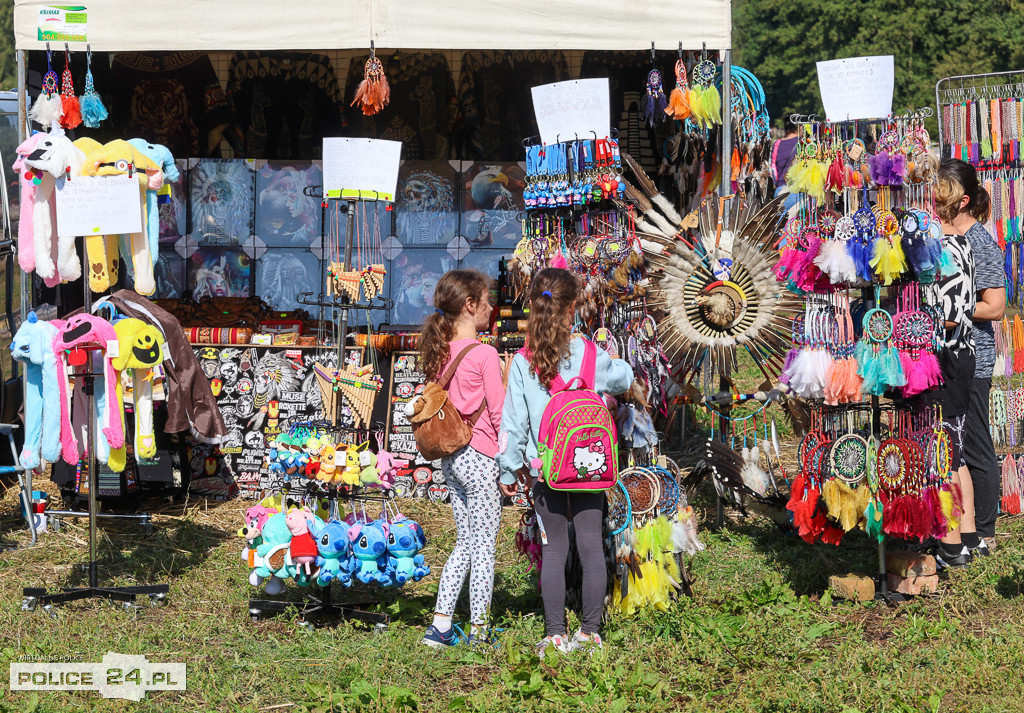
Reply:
x=560, y=644
x=590, y=644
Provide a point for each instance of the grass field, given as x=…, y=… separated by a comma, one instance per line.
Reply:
x=760, y=633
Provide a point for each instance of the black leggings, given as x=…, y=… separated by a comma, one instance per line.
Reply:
x=587, y=515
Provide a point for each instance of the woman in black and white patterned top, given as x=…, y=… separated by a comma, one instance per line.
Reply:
x=958, y=297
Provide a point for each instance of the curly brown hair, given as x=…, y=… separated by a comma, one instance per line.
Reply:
x=452, y=292
x=553, y=295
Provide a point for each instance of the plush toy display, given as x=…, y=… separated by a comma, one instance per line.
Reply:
x=33, y=346
x=139, y=350
x=405, y=540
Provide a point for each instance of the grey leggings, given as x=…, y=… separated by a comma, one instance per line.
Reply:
x=587, y=515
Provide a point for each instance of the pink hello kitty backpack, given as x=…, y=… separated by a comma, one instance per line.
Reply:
x=577, y=444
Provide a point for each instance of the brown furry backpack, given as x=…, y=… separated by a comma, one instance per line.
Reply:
x=438, y=427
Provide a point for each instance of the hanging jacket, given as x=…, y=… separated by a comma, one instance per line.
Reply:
x=190, y=401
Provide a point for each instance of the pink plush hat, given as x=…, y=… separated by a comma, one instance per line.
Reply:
x=86, y=330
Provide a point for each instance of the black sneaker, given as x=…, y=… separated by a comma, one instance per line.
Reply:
x=944, y=561
x=981, y=550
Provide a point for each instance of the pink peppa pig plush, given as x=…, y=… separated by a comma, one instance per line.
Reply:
x=302, y=547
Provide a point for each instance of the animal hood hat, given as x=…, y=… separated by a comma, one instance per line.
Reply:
x=33, y=346
x=83, y=330
x=139, y=350
x=37, y=226
x=60, y=158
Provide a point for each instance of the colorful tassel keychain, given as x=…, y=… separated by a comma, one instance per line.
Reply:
x=47, y=108
x=679, y=101
x=374, y=92
x=654, y=102
x=71, y=109
x=93, y=111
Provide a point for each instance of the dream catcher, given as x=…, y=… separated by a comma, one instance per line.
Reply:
x=374, y=92
x=714, y=291
x=705, y=99
x=47, y=109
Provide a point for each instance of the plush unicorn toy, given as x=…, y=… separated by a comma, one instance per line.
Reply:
x=33, y=346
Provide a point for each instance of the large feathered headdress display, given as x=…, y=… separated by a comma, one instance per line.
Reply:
x=712, y=284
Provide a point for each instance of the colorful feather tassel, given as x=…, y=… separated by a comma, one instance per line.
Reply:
x=70, y=108
x=93, y=111
x=888, y=260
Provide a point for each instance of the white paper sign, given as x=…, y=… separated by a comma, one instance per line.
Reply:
x=567, y=110
x=856, y=88
x=99, y=205
x=361, y=168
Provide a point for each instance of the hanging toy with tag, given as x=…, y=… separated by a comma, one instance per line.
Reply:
x=69, y=102
x=374, y=92
x=93, y=111
x=47, y=109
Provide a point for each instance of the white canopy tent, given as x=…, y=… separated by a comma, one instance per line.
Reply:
x=211, y=25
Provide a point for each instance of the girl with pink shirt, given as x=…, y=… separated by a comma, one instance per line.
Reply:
x=462, y=308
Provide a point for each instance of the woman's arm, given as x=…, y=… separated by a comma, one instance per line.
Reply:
x=515, y=424
x=991, y=305
x=494, y=388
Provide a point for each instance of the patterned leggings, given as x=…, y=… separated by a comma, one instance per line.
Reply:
x=472, y=480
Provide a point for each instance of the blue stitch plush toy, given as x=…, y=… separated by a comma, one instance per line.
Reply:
x=405, y=539
x=335, y=560
x=369, y=546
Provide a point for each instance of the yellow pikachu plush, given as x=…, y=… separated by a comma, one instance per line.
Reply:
x=350, y=476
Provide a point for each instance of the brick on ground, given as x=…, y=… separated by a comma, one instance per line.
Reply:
x=925, y=584
x=904, y=563
x=855, y=587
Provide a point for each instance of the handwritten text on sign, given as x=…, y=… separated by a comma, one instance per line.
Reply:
x=856, y=88
x=361, y=168
x=99, y=205
x=567, y=110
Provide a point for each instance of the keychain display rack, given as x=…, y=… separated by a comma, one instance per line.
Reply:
x=317, y=606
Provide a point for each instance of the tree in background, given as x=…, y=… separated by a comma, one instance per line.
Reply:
x=8, y=66
x=780, y=41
